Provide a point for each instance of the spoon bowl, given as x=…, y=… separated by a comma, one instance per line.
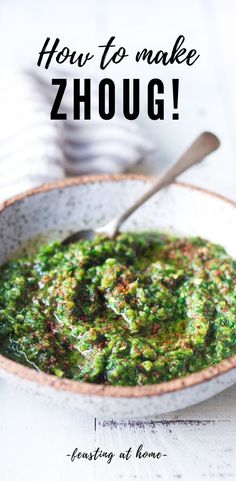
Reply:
x=80, y=235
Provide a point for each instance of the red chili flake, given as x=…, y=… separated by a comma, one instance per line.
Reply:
x=45, y=279
x=172, y=254
x=155, y=328
x=50, y=325
x=49, y=335
x=102, y=344
x=52, y=359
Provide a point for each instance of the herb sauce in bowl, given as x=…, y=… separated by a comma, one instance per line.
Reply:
x=141, y=309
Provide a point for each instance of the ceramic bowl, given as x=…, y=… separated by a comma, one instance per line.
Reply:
x=53, y=211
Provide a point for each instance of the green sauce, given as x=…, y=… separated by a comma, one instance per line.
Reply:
x=140, y=309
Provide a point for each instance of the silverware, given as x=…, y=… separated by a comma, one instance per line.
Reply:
x=204, y=145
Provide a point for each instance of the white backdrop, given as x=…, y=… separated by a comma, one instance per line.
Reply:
x=207, y=89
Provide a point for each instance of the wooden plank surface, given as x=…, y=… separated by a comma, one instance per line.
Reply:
x=199, y=442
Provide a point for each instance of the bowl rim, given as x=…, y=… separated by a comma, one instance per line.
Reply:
x=13, y=368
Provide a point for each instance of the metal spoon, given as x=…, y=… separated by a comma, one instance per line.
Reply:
x=202, y=146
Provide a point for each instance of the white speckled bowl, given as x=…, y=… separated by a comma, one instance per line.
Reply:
x=57, y=209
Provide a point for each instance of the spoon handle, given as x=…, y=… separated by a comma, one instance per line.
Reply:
x=202, y=146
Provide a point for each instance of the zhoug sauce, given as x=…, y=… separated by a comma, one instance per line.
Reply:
x=140, y=309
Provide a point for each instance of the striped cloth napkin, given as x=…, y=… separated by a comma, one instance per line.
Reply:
x=35, y=149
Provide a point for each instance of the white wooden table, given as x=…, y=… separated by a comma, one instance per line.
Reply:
x=200, y=441
x=35, y=438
